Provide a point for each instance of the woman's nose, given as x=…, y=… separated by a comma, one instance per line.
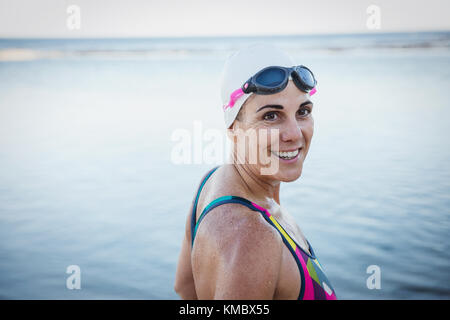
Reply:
x=291, y=131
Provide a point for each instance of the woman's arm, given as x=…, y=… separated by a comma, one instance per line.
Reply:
x=237, y=254
x=184, y=281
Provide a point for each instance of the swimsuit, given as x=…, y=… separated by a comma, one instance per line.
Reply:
x=314, y=283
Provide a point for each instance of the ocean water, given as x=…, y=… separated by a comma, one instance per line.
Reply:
x=87, y=175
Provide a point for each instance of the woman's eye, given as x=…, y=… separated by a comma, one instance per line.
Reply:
x=304, y=112
x=270, y=116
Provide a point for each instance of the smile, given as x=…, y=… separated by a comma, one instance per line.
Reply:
x=287, y=155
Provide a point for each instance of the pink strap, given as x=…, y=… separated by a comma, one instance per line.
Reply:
x=233, y=98
x=239, y=93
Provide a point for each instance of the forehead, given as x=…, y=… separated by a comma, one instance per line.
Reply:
x=290, y=96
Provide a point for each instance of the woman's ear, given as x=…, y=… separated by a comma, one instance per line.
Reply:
x=231, y=131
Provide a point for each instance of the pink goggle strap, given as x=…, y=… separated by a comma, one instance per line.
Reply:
x=233, y=98
x=239, y=93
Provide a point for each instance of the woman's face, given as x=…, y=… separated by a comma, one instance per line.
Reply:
x=282, y=127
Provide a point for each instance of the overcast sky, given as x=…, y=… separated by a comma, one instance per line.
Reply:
x=155, y=18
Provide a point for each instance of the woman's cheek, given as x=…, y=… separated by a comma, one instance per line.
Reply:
x=311, y=128
x=268, y=138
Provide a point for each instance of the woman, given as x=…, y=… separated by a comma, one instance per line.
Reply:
x=239, y=242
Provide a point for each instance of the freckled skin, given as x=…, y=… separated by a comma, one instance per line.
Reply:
x=236, y=253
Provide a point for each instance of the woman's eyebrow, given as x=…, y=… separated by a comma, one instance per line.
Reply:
x=274, y=106
x=306, y=103
x=280, y=107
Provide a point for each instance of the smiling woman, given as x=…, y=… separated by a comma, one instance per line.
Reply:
x=240, y=243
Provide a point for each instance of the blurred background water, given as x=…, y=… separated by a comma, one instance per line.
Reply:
x=87, y=178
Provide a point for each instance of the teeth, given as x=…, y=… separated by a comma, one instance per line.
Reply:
x=287, y=155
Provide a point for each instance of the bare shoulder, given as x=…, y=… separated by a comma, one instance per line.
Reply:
x=233, y=221
x=190, y=212
x=233, y=224
x=237, y=251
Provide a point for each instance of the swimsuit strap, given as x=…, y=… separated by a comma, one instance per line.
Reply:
x=253, y=206
x=194, y=209
x=288, y=241
x=308, y=264
x=218, y=202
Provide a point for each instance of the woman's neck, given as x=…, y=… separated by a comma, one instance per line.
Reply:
x=256, y=185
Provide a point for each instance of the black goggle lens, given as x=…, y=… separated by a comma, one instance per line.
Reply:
x=271, y=77
x=306, y=77
x=274, y=79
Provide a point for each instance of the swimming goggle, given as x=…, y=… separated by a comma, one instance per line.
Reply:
x=274, y=79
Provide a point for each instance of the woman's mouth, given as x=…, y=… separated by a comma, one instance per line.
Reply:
x=287, y=155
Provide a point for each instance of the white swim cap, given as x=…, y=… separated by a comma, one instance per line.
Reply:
x=242, y=65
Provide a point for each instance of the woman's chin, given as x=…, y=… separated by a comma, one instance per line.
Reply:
x=290, y=174
x=283, y=170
